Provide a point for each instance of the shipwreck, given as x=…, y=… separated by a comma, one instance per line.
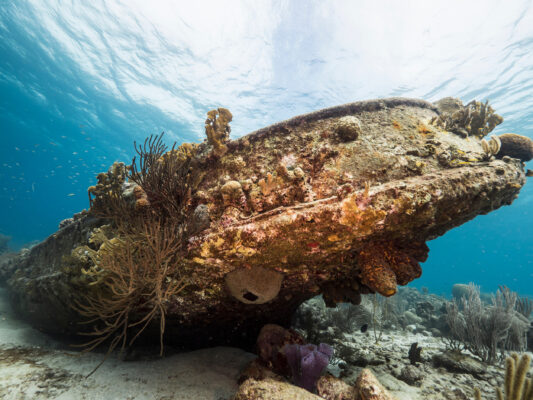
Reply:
x=208, y=242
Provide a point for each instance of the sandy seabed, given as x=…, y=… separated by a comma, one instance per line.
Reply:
x=34, y=366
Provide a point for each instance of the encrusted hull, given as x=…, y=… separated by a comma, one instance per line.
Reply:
x=338, y=202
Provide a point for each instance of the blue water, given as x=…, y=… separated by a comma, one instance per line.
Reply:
x=79, y=83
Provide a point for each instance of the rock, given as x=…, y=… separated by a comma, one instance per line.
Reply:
x=331, y=388
x=270, y=342
x=368, y=388
x=343, y=216
x=459, y=291
x=457, y=362
x=412, y=318
x=425, y=309
x=258, y=371
x=435, y=332
x=270, y=389
x=411, y=375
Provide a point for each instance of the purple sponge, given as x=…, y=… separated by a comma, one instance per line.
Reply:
x=307, y=363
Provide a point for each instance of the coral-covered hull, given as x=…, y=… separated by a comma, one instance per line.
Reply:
x=338, y=202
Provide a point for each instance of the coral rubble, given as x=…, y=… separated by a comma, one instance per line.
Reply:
x=340, y=201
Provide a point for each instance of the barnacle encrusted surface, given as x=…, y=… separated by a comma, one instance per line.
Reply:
x=329, y=215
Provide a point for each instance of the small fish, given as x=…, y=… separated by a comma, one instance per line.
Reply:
x=529, y=173
x=71, y=194
x=364, y=328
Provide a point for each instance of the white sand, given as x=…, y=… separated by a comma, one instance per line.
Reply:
x=34, y=366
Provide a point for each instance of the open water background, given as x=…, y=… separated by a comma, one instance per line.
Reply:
x=80, y=81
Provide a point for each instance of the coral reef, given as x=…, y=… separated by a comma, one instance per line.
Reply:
x=271, y=389
x=165, y=177
x=369, y=388
x=270, y=342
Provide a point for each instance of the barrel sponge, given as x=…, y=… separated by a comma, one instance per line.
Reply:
x=516, y=146
x=254, y=285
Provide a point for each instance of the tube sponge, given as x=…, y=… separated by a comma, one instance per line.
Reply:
x=307, y=363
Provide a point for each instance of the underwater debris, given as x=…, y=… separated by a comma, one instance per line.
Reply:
x=516, y=146
x=475, y=119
